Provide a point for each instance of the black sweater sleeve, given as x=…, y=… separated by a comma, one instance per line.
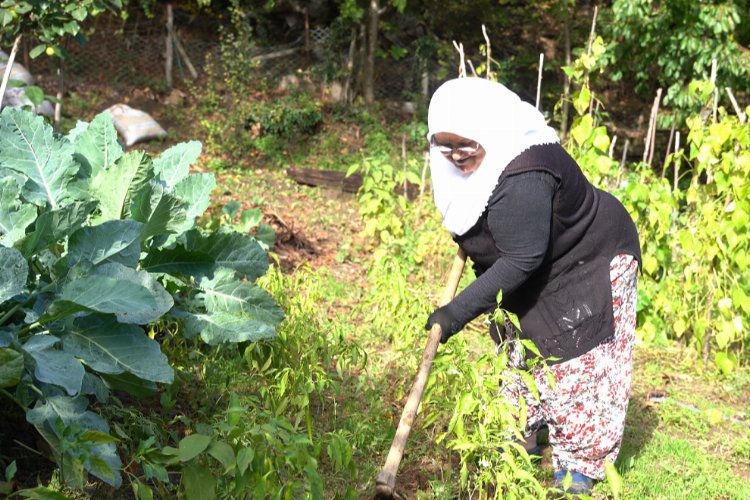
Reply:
x=519, y=218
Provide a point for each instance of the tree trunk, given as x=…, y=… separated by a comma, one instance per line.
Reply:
x=368, y=85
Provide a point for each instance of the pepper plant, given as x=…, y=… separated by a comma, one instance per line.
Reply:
x=99, y=247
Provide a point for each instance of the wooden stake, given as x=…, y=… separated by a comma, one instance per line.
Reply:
x=406, y=167
x=350, y=67
x=621, y=170
x=669, y=148
x=183, y=55
x=714, y=69
x=60, y=92
x=651, y=127
x=170, y=37
x=539, y=80
x=593, y=29
x=740, y=114
x=612, y=147
x=677, y=159
x=488, y=71
x=9, y=67
x=566, y=80
x=461, y=65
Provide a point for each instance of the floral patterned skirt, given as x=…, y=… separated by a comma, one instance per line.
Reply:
x=585, y=407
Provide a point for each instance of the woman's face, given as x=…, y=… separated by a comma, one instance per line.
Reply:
x=465, y=154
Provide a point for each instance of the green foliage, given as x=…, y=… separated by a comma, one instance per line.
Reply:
x=288, y=117
x=669, y=44
x=98, y=247
x=279, y=434
x=693, y=232
x=383, y=196
x=50, y=22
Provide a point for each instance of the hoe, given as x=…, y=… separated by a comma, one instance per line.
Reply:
x=386, y=480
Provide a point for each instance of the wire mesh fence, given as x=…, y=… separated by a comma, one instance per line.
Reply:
x=132, y=54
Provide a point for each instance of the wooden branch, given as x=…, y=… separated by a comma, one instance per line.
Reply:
x=471, y=67
x=9, y=68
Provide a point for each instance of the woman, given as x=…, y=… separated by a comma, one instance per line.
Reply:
x=564, y=254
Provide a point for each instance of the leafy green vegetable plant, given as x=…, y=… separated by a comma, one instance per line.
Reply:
x=97, y=247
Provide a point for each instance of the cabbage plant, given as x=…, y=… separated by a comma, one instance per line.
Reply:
x=97, y=246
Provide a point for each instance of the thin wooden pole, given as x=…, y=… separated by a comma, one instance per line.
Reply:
x=169, y=44
x=9, y=68
x=60, y=92
x=677, y=159
x=461, y=64
x=406, y=166
x=651, y=127
x=669, y=148
x=593, y=30
x=488, y=71
x=621, y=170
x=740, y=114
x=612, y=147
x=183, y=55
x=539, y=80
x=386, y=479
x=714, y=69
x=424, y=172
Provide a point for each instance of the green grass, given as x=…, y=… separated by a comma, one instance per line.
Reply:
x=670, y=467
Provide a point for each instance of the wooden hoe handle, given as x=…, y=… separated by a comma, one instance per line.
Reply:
x=386, y=480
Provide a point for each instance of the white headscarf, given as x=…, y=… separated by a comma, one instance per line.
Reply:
x=495, y=117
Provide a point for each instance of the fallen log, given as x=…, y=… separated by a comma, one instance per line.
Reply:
x=338, y=180
x=327, y=178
